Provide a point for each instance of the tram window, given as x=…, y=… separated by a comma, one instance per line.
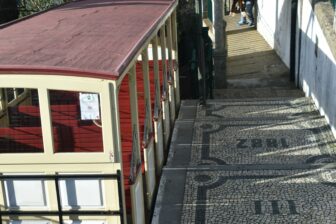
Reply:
x=20, y=121
x=75, y=132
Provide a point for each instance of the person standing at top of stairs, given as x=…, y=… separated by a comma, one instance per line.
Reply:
x=247, y=12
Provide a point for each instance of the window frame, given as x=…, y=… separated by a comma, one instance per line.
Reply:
x=43, y=83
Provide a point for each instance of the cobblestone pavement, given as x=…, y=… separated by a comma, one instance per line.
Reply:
x=264, y=196
x=252, y=161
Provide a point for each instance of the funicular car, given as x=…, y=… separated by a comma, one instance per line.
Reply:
x=89, y=92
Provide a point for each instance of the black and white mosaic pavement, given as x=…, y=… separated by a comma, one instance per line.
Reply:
x=261, y=142
x=264, y=196
x=252, y=161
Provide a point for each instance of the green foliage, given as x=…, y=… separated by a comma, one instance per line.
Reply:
x=28, y=7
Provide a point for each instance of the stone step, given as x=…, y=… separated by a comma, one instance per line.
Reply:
x=210, y=143
x=239, y=93
x=261, y=109
x=249, y=109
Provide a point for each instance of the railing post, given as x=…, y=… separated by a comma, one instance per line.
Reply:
x=176, y=64
x=59, y=202
x=159, y=141
x=120, y=193
x=156, y=71
x=165, y=103
x=170, y=71
x=163, y=55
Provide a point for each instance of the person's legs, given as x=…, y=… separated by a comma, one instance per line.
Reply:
x=249, y=11
x=242, y=20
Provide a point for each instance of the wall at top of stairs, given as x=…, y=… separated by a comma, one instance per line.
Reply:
x=315, y=47
x=274, y=24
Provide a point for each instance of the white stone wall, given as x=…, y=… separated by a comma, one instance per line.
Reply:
x=273, y=23
x=316, y=70
x=316, y=65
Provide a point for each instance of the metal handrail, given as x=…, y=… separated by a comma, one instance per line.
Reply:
x=60, y=212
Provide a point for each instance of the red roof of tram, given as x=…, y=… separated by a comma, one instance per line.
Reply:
x=92, y=38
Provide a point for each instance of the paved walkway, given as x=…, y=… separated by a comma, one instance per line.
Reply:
x=257, y=154
x=253, y=68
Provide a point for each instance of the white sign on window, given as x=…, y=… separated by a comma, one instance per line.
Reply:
x=89, y=106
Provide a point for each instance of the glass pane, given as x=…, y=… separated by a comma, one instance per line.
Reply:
x=76, y=119
x=25, y=193
x=81, y=193
x=20, y=122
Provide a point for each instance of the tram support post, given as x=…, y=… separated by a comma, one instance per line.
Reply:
x=170, y=71
x=134, y=105
x=176, y=64
x=165, y=102
x=145, y=72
